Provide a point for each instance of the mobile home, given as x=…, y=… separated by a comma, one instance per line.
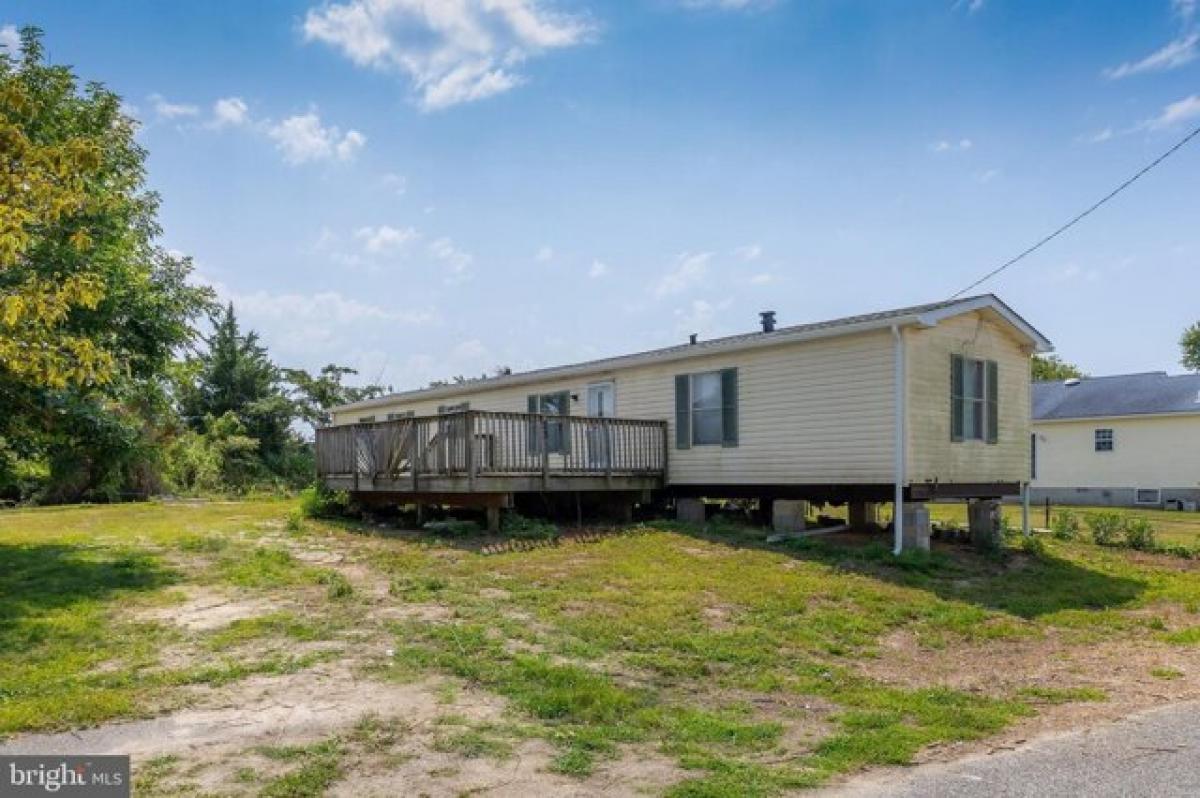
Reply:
x=912, y=404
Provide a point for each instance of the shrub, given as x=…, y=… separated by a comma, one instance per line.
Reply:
x=1065, y=525
x=1140, y=534
x=1106, y=528
x=318, y=501
x=518, y=526
x=1033, y=545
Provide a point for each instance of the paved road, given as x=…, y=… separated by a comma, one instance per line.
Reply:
x=1155, y=753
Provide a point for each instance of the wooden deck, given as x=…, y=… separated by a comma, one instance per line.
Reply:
x=483, y=453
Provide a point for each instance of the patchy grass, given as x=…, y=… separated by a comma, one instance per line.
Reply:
x=1062, y=695
x=72, y=651
x=615, y=643
x=742, y=663
x=315, y=768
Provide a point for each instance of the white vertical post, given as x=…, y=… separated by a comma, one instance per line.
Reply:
x=1025, y=529
x=899, y=444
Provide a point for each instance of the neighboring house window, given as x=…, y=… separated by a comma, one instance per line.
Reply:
x=706, y=409
x=974, y=405
x=1104, y=440
x=367, y=420
x=1148, y=496
x=558, y=438
x=398, y=416
x=461, y=407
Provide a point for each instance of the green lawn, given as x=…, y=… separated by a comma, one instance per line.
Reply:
x=753, y=667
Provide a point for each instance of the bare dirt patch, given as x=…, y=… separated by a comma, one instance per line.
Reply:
x=225, y=731
x=205, y=609
x=1122, y=669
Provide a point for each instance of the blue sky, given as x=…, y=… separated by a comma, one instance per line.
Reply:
x=422, y=188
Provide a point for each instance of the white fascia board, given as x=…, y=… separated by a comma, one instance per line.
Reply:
x=619, y=362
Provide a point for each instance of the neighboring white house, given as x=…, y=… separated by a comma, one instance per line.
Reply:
x=1127, y=440
x=931, y=400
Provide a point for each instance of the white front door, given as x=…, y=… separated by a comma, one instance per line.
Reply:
x=601, y=403
x=602, y=400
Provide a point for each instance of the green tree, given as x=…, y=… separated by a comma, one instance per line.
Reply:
x=1052, y=367
x=235, y=376
x=92, y=309
x=1189, y=343
x=314, y=395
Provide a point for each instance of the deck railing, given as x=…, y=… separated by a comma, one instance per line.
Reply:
x=474, y=443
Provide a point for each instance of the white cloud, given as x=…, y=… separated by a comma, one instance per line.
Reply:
x=972, y=6
x=699, y=316
x=944, y=145
x=10, y=39
x=748, y=252
x=317, y=327
x=229, y=112
x=456, y=261
x=764, y=278
x=397, y=183
x=1173, y=55
x=689, y=268
x=545, y=254
x=350, y=144
x=1174, y=113
x=452, y=51
x=326, y=306
x=1100, y=136
x=1185, y=10
x=987, y=175
x=302, y=138
x=169, y=110
x=598, y=269
x=384, y=239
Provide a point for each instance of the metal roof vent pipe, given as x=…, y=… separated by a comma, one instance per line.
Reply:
x=768, y=320
x=692, y=338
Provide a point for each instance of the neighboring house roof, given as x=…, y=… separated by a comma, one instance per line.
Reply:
x=926, y=315
x=1151, y=393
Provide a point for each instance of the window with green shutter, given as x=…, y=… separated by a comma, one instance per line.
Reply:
x=706, y=409
x=974, y=399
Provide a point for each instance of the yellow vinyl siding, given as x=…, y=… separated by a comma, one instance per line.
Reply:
x=1149, y=452
x=811, y=412
x=931, y=454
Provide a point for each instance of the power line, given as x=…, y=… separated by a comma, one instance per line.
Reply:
x=1179, y=145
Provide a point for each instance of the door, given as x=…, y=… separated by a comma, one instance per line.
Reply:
x=602, y=400
x=601, y=403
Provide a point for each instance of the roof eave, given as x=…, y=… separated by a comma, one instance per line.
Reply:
x=516, y=380
x=1040, y=343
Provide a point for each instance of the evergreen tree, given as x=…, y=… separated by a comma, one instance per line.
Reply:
x=235, y=376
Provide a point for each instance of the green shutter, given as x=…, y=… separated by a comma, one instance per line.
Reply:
x=729, y=407
x=993, y=405
x=683, y=411
x=956, y=393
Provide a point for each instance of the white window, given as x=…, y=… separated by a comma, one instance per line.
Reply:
x=974, y=392
x=1104, y=440
x=706, y=408
x=367, y=420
